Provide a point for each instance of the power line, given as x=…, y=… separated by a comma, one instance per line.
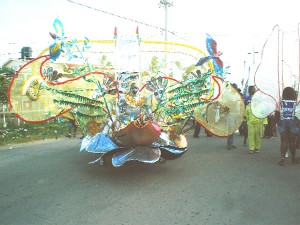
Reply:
x=165, y=3
x=121, y=17
x=162, y=2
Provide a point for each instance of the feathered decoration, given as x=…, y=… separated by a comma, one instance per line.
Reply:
x=211, y=46
x=56, y=48
x=115, y=34
x=60, y=44
x=138, y=35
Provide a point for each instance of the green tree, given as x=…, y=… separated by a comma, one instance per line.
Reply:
x=4, y=84
x=106, y=66
x=6, y=71
x=154, y=66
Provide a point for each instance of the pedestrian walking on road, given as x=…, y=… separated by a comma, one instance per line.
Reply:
x=288, y=124
x=254, y=124
x=230, y=138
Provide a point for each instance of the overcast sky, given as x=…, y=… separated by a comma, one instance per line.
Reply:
x=239, y=26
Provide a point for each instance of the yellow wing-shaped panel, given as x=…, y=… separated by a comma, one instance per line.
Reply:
x=223, y=115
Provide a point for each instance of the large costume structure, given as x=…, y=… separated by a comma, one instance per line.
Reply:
x=272, y=75
x=127, y=115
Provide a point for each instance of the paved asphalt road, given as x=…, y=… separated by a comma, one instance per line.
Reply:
x=52, y=183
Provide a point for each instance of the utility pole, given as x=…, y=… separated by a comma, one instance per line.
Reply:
x=253, y=55
x=251, y=68
x=165, y=4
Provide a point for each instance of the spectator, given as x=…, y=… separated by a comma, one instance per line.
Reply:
x=197, y=129
x=72, y=129
x=270, y=128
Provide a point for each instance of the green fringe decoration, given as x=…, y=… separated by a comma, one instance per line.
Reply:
x=189, y=94
x=83, y=115
x=76, y=96
x=77, y=104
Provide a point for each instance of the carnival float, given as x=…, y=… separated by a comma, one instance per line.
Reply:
x=129, y=106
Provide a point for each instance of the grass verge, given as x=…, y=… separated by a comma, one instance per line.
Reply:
x=32, y=132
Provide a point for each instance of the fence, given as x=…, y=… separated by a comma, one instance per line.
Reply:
x=8, y=118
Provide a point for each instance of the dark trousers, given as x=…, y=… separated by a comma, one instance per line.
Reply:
x=267, y=131
x=298, y=141
x=197, y=129
x=72, y=127
x=245, y=131
x=288, y=141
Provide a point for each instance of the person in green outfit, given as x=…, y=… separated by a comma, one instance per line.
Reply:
x=255, y=125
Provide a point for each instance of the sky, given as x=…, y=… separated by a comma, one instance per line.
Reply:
x=239, y=27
